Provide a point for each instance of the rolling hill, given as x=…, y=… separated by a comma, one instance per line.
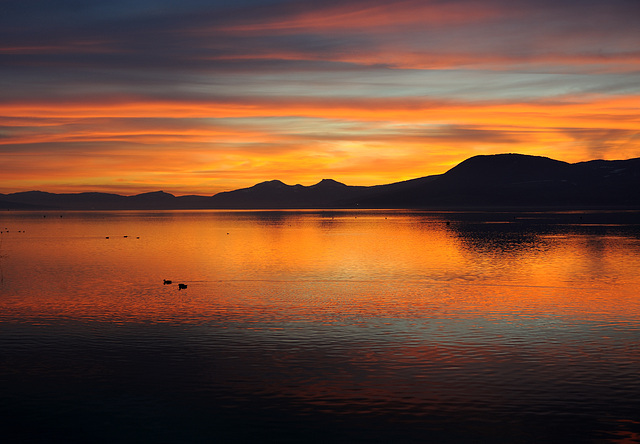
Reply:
x=501, y=180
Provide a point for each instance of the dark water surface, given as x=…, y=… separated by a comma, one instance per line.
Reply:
x=327, y=326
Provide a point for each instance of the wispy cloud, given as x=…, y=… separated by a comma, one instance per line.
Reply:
x=201, y=96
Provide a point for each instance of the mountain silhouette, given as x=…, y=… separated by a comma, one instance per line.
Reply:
x=101, y=201
x=276, y=194
x=510, y=180
x=501, y=180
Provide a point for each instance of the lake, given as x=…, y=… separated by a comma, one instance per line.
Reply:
x=319, y=326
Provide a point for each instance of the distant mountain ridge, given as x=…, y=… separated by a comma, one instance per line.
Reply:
x=500, y=180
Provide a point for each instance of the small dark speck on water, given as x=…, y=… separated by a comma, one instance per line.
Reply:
x=426, y=343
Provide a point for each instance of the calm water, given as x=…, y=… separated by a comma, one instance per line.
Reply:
x=319, y=327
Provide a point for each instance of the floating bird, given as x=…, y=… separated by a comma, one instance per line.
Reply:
x=182, y=286
x=166, y=282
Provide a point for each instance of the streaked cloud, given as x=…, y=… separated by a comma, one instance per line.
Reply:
x=201, y=96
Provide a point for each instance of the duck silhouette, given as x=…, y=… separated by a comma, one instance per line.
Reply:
x=182, y=286
x=167, y=282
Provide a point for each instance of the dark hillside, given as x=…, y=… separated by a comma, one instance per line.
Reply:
x=509, y=180
x=502, y=180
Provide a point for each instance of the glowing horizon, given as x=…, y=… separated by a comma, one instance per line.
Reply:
x=203, y=97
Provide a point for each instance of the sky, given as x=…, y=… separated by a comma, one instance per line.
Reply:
x=202, y=96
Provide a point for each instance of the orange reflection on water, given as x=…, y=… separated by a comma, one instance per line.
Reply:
x=326, y=267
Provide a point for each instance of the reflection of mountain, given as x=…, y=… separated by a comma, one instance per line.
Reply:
x=503, y=180
x=503, y=236
x=489, y=238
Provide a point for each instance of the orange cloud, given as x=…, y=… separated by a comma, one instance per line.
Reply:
x=592, y=108
x=201, y=147
x=199, y=100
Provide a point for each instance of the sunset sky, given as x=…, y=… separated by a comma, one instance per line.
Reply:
x=201, y=96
